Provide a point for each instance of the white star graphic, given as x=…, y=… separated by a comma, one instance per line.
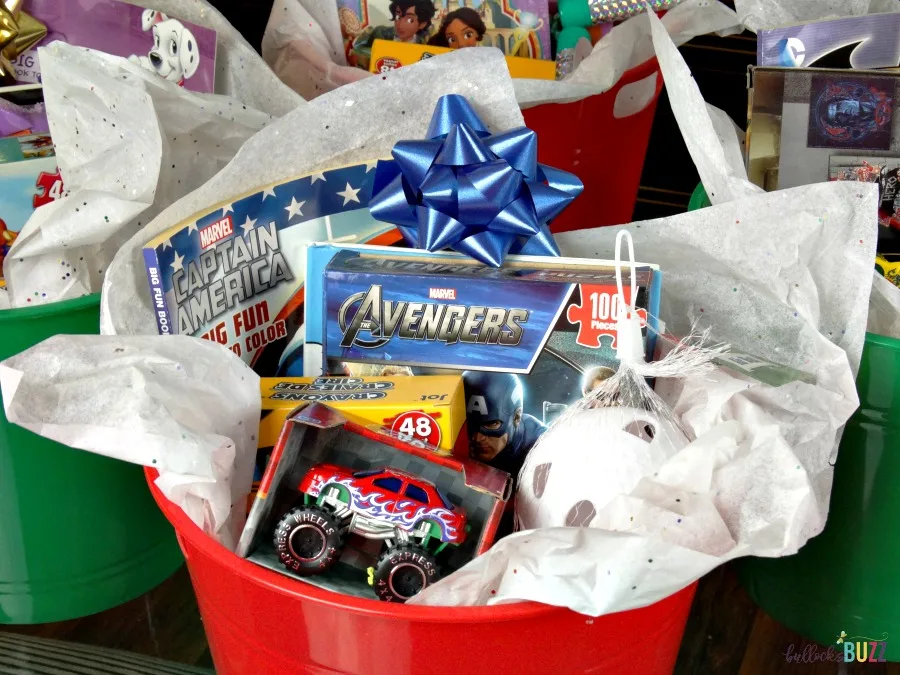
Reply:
x=192, y=227
x=268, y=192
x=248, y=225
x=166, y=244
x=371, y=165
x=177, y=263
x=227, y=209
x=349, y=194
x=316, y=176
x=294, y=208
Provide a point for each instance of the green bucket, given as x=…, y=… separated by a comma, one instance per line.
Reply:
x=79, y=533
x=846, y=579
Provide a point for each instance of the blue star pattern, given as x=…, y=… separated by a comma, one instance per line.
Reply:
x=288, y=205
x=235, y=274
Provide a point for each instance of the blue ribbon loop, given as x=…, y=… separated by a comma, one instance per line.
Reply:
x=483, y=195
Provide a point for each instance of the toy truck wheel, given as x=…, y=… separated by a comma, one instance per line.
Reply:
x=308, y=540
x=403, y=571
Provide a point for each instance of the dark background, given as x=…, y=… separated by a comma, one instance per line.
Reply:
x=719, y=66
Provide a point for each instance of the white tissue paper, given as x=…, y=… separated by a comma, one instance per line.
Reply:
x=302, y=44
x=884, y=308
x=240, y=72
x=304, y=47
x=784, y=275
x=188, y=408
x=128, y=144
x=349, y=125
x=758, y=14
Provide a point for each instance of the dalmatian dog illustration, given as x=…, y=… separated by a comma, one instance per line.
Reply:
x=174, y=55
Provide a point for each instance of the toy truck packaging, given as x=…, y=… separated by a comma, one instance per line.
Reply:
x=235, y=274
x=362, y=511
x=430, y=411
x=529, y=338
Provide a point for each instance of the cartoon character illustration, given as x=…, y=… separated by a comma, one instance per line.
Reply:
x=460, y=28
x=847, y=113
x=174, y=55
x=7, y=237
x=410, y=515
x=500, y=434
x=411, y=21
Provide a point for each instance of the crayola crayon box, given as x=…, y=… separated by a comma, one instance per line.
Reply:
x=529, y=338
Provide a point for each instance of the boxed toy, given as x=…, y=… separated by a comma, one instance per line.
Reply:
x=530, y=337
x=426, y=410
x=861, y=42
x=388, y=55
x=177, y=51
x=360, y=511
x=235, y=274
x=517, y=27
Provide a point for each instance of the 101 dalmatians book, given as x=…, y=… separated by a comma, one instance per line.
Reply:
x=176, y=50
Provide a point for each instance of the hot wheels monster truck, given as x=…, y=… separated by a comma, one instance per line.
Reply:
x=412, y=517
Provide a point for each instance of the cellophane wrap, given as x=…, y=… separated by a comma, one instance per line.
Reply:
x=784, y=275
x=128, y=144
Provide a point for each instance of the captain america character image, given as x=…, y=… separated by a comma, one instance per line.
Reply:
x=500, y=433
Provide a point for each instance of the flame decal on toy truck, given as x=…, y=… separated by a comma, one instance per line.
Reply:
x=402, y=512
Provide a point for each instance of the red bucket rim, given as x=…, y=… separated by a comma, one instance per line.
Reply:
x=187, y=530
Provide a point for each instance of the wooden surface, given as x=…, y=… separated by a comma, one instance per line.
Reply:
x=725, y=635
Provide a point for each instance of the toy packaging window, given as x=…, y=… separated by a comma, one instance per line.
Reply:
x=319, y=448
x=529, y=338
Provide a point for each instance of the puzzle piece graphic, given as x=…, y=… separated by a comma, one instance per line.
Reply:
x=596, y=315
x=48, y=188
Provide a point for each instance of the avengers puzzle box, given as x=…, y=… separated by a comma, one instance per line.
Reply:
x=235, y=274
x=530, y=337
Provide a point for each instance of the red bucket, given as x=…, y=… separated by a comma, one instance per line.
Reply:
x=261, y=622
x=603, y=140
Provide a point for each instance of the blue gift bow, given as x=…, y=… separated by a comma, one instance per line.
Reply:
x=483, y=195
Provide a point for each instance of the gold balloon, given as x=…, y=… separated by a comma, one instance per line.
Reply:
x=19, y=32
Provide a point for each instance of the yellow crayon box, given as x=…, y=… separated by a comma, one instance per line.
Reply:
x=430, y=409
x=388, y=55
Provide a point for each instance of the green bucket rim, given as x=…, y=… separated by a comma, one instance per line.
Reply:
x=700, y=200
x=49, y=309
